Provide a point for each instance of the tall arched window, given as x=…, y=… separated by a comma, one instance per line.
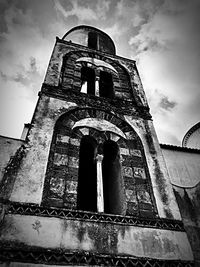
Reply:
x=98, y=170
x=90, y=177
x=88, y=81
x=112, y=179
x=87, y=175
x=92, y=40
x=106, y=85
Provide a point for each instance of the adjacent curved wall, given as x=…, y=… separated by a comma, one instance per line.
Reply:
x=184, y=171
x=192, y=137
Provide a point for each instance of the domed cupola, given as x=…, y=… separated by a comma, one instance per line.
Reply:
x=92, y=38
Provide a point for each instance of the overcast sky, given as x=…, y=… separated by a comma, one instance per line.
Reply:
x=163, y=36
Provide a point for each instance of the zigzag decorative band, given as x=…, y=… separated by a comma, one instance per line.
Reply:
x=84, y=258
x=34, y=210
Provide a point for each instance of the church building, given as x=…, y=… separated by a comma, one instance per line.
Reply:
x=88, y=183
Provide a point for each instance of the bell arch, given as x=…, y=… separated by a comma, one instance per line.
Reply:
x=111, y=75
x=130, y=180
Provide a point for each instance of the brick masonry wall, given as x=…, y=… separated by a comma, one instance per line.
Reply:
x=71, y=74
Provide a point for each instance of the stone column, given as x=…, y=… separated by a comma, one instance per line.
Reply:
x=100, y=200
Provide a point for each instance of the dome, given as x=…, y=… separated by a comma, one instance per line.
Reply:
x=91, y=37
x=192, y=137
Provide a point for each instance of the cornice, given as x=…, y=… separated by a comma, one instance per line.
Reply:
x=122, y=107
x=62, y=213
x=69, y=258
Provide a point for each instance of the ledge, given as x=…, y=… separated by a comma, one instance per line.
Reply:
x=96, y=51
x=180, y=148
x=121, y=106
x=12, y=138
x=35, y=210
x=58, y=257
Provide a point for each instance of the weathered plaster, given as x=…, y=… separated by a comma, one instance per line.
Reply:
x=55, y=64
x=189, y=204
x=9, y=146
x=138, y=86
x=135, y=80
x=162, y=188
x=154, y=243
x=183, y=167
x=95, y=237
x=53, y=73
x=29, y=182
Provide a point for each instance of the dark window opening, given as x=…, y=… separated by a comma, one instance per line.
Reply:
x=112, y=179
x=88, y=80
x=87, y=176
x=92, y=40
x=106, y=85
x=88, y=196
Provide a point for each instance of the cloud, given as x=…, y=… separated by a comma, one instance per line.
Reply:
x=160, y=104
x=75, y=11
x=171, y=24
x=16, y=108
x=22, y=45
x=102, y=8
x=166, y=104
x=3, y=76
x=27, y=77
x=20, y=42
x=24, y=55
x=166, y=48
x=138, y=12
x=84, y=13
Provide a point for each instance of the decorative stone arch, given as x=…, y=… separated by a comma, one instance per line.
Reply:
x=62, y=174
x=71, y=73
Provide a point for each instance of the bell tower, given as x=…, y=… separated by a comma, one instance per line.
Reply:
x=97, y=160
x=91, y=187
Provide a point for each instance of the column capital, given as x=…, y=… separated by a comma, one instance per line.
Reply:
x=99, y=157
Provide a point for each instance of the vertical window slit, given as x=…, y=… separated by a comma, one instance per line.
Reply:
x=92, y=40
x=87, y=176
x=106, y=85
x=88, y=80
x=112, y=179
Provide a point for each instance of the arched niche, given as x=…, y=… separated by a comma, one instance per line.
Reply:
x=109, y=73
x=73, y=133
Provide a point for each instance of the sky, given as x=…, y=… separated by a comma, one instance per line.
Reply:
x=163, y=36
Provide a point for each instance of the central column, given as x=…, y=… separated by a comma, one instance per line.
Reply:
x=97, y=86
x=100, y=200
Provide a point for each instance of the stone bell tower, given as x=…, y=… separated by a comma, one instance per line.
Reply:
x=89, y=186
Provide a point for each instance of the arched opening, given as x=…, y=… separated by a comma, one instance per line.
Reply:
x=92, y=40
x=85, y=170
x=106, y=85
x=112, y=179
x=88, y=81
x=97, y=62
x=87, y=175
